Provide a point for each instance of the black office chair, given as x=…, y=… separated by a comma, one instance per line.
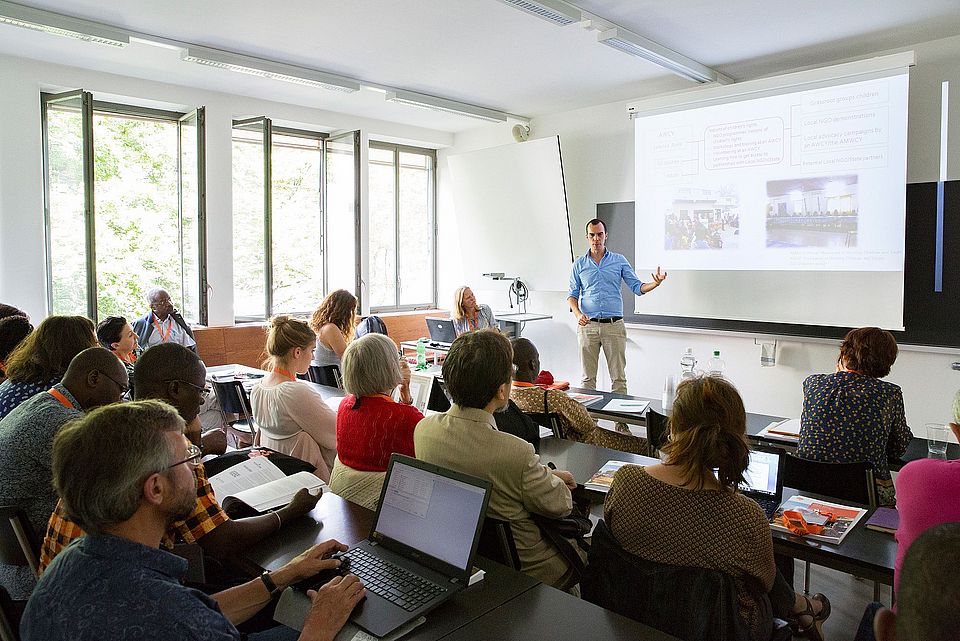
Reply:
x=18, y=542
x=328, y=375
x=549, y=420
x=232, y=396
x=656, y=432
x=497, y=543
x=10, y=613
x=846, y=482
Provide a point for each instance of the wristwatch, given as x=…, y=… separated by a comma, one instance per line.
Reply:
x=270, y=585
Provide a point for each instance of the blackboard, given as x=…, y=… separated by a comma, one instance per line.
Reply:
x=929, y=318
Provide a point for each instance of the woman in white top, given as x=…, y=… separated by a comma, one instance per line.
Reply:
x=334, y=322
x=292, y=416
x=468, y=315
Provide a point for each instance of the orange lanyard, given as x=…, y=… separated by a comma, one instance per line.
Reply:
x=60, y=397
x=523, y=384
x=163, y=337
x=129, y=358
x=285, y=373
x=383, y=396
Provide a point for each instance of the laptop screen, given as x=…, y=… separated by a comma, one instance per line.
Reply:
x=762, y=472
x=431, y=513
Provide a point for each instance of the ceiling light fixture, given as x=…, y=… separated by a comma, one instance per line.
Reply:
x=636, y=45
x=445, y=106
x=58, y=24
x=555, y=11
x=269, y=69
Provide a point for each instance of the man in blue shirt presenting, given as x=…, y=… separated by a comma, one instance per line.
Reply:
x=595, y=299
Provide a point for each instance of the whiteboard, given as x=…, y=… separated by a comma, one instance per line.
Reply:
x=512, y=216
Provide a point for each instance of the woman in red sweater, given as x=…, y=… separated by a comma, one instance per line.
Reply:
x=370, y=424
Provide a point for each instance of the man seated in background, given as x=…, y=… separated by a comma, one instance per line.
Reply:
x=163, y=324
x=928, y=597
x=174, y=374
x=465, y=438
x=577, y=424
x=93, y=378
x=123, y=472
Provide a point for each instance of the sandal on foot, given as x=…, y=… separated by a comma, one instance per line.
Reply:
x=824, y=609
x=811, y=631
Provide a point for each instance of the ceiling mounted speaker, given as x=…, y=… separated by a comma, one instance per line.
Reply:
x=521, y=132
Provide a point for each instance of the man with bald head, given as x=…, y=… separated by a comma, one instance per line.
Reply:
x=163, y=324
x=95, y=377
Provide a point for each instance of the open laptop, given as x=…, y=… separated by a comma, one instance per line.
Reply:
x=421, y=386
x=764, y=477
x=421, y=548
x=441, y=331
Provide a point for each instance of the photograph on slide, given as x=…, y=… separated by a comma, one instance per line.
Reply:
x=812, y=212
x=703, y=218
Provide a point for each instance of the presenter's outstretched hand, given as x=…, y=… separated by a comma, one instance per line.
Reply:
x=659, y=276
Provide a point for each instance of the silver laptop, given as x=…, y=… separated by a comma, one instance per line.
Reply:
x=441, y=331
x=421, y=548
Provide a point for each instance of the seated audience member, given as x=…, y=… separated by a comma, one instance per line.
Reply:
x=94, y=378
x=576, y=422
x=468, y=315
x=13, y=329
x=851, y=415
x=477, y=373
x=370, y=424
x=334, y=323
x=40, y=360
x=680, y=512
x=175, y=375
x=163, y=323
x=117, y=335
x=293, y=417
x=928, y=598
x=124, y=474
x=10, y=310
x=928, y=493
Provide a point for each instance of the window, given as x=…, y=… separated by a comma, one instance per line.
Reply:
x=124, y=207
x=285, y=261
x=402, y=227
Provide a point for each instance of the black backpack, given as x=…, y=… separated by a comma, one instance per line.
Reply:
x=371, y=325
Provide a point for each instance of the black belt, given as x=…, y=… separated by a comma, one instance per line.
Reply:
x=613, y=319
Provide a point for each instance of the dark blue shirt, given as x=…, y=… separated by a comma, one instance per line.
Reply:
x=597, y=287
x=105, y=587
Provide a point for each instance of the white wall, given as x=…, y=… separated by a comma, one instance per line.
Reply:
x=22, y=263
x=598, y=158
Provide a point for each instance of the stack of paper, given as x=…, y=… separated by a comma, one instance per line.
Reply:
x=816, y=512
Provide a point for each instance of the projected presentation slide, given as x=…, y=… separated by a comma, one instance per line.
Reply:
x=806, y=181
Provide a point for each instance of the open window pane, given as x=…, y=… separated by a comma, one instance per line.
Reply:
x=343, y=174
x=383, y=227
x=192, y=217
x=415, y=250
x=297, y=223
x=249, y=184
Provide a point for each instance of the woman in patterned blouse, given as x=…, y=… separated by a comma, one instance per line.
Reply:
x=851, y=415
x=681, y=512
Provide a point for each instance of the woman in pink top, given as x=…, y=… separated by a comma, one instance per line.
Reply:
x=927, y=491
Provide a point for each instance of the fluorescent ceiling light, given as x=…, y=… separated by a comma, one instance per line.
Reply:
x=555, y=11
x=57, y=24
x=445, y=106
x=269, y=69
x=637, y=45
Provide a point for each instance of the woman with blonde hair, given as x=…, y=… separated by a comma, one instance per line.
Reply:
x=333, y=322
x=292, y=417
x=370, y=424
x=468, y=315
x=687, y=511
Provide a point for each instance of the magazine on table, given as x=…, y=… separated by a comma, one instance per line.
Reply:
x=259, y=484
x=785, y=430
x=836, y=520
x=600, y=482
x=584, y=399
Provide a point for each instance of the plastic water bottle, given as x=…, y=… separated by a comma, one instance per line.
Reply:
x=669, y=393
x=687, y=362
x=715, y=365
x=421, y=354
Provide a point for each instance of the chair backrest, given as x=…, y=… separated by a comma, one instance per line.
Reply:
x=656, y=432
x=844, y=481
x=9, y=617
x=550, y=420
x=371, y=325
x=328, y=375
x=497, y=543
x=686, y=602
x=514, y=421
x=18, y=542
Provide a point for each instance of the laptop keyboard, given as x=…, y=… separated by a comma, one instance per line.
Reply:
x=392, y=582
x=768, y=505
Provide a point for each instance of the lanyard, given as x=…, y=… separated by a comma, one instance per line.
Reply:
x=285, y=373
x=474, y=323
x=60, y=397
x=383, y=396
x=163, y=337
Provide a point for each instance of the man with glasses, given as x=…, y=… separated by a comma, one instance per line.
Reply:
x=174, y=374
x=116, y=583
x=94, y=377
x=163, y=324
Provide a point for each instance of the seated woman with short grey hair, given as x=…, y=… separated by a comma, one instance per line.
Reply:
x=370, y=424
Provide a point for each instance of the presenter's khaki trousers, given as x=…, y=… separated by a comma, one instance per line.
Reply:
x=612, y=338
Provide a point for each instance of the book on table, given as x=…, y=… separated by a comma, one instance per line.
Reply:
x=786, y=430
x=600, y=482
x=836, y=520
x=584, y=399
x=884, y=519
x=260, y=485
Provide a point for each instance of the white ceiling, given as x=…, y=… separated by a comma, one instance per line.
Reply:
x=481, y=52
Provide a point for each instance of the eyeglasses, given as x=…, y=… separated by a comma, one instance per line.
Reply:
x=196, y=456
x=123, y=388
x=204, y=391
